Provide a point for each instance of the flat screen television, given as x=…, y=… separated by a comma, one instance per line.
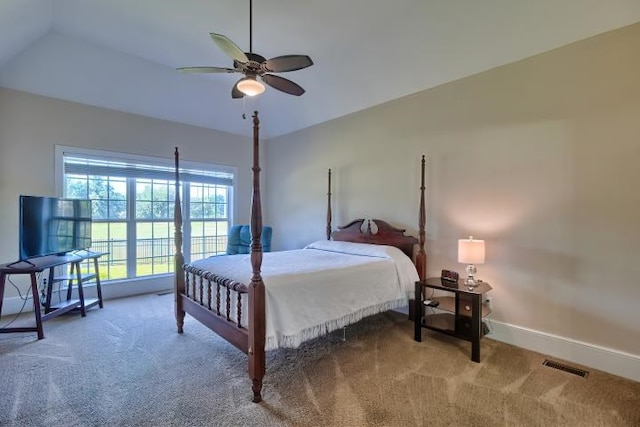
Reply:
x=51, y=225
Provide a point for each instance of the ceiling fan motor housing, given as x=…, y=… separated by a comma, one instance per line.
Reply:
x=254, y=66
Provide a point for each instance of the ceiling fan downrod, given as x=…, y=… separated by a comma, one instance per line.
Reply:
x=250, y=25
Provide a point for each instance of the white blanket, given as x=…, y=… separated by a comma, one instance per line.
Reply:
x=323, y=287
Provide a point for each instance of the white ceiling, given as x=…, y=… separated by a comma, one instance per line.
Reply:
x=122, y=54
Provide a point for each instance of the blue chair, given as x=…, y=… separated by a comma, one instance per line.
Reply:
x=239, y=239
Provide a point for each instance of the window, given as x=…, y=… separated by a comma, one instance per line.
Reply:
x=132, y=209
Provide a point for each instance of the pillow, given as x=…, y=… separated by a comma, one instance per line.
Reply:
x=364, y=249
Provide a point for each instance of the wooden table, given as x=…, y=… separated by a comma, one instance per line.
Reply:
x=32, y=267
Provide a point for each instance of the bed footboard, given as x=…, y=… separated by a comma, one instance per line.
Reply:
x=217, y=302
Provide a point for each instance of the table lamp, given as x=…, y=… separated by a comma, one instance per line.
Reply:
x=470, y=252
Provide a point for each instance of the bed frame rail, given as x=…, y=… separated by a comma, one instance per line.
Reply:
x=199, y=286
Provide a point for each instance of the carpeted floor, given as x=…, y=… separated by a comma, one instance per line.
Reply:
x=125, y=365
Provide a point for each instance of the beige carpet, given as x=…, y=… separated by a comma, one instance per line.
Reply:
x=125, y=365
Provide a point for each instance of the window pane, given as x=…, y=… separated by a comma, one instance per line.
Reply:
x=160, y=191
x=152, y=199
x=76, y=187
x=118, y=189
x=143, y=210
x=208, y=201
x=143, y=189
x=208, y=238
x=161, y=210
x=110, y=237
x=108, y=197
x=117, y=209
x=154, y=248
x=99, y=209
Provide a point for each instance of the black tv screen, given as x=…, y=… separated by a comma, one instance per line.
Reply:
x=50, y=225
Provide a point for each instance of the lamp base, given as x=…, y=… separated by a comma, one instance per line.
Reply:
x=471, y=271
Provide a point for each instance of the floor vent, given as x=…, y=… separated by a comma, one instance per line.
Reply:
x=164, y=293
x=570, y=369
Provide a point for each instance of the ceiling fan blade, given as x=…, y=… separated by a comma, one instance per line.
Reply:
x=281, y=64
x=235, y=92
x=229, y=47
x=206, y=70
x=283, y=84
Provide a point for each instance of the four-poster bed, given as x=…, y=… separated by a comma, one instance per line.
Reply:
x=310, y=291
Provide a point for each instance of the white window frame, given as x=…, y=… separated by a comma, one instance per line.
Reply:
x=61, y=151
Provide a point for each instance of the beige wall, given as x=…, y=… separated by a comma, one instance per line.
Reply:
x=31, y=126
x=539, y=158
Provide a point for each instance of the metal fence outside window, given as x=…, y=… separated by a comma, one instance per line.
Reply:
x=156, y=251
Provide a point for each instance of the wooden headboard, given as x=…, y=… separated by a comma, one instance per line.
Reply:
x=386, y=235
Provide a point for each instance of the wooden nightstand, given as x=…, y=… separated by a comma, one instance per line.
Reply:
x=459, y=314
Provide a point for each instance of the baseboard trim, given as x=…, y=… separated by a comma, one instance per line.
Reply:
x=604, y=359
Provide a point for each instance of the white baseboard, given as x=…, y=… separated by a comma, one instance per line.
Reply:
x=604, y=359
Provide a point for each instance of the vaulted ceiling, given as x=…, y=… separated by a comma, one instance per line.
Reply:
x=122, y=54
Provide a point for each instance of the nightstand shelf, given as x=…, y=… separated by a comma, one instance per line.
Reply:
x=449, y=304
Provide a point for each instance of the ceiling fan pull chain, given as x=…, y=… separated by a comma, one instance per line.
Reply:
x=249, y=104
x=244, y=108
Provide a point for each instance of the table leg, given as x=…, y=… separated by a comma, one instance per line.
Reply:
x=98, y=286
x=83, y=311
x=47, y=303
x=2, y=281
x=417, y=313
x=476, y=331
x=36, y=305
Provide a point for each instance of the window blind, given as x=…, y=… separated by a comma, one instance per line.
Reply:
x=77, y=165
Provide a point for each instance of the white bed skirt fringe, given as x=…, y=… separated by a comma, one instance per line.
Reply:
x=293, y=341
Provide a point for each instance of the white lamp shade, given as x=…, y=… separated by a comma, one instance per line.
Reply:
x=470, y=251
x=250, y=86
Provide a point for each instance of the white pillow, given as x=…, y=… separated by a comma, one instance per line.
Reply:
x=364, y=249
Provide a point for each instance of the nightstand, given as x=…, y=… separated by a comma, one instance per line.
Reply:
x=459, y=314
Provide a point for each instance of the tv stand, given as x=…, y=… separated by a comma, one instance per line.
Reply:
x=38, y=265
x=75, y=275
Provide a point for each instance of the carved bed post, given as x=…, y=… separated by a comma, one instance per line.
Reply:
x=179, y=257
x=257, y=320
x=421, y=257
x=329, y=207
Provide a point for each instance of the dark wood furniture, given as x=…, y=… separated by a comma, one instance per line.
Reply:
x=191, y=284
x=33, y=267
x=459, y=315
x=76, y=275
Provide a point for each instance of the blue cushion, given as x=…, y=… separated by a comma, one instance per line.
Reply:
x=239, y=239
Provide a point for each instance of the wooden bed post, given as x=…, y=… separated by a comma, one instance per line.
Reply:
x=421, y=257
x=179, y=257
x=329, y=207
x=257, y=320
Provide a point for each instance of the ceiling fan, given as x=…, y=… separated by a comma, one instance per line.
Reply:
x=255, y=66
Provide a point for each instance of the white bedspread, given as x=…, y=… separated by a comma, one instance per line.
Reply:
x=323, y=287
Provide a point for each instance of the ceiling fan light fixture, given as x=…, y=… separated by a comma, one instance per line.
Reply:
x=250, y=86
